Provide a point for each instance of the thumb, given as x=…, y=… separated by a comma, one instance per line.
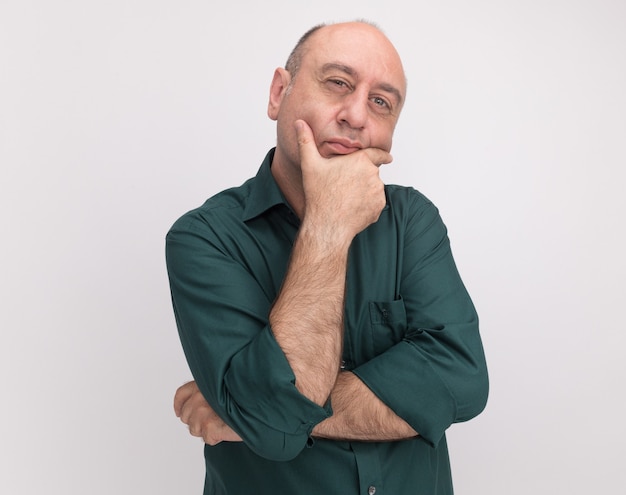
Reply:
x=306, y=141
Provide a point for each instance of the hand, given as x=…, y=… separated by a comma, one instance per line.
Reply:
x=193, y=410
x=343, y=193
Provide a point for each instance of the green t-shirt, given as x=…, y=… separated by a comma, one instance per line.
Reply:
x=411, y=335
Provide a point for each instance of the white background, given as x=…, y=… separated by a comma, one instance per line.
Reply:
x=116, y=117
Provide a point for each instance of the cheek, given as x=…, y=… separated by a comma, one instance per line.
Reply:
x=382, y=140
x=286, y=134
x=385, y=132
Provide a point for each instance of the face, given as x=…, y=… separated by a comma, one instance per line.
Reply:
x=350, y=89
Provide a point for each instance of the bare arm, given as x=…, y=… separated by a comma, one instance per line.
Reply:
x=307, y=317
x=358, y=414
x=342, y=196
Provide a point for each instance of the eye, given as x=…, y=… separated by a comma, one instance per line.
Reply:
x=340, y=85
x=381, y=102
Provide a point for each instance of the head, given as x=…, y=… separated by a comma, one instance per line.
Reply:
x=347, y=82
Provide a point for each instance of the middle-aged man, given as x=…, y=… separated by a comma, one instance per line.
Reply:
x=321, y=312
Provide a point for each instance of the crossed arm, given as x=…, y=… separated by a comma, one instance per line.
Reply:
x=358, y=415
x=435, y=376
x=342, y=196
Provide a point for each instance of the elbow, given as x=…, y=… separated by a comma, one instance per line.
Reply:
x=473, y=395
x=276, y=435
x=277, y=446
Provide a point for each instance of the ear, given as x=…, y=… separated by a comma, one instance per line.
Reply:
x=280, y=83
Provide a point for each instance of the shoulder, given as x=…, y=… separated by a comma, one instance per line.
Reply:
x=413, y=213
x=219, y=211
x=407, y=200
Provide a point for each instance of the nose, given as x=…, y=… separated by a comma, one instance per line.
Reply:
x=354, y=110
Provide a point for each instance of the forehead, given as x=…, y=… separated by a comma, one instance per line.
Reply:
x=360, y=47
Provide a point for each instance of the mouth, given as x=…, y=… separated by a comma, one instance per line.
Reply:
x=343, y=146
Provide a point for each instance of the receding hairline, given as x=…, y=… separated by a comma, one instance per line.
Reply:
x=295, y=57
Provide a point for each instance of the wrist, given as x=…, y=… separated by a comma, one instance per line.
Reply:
x=325, y=238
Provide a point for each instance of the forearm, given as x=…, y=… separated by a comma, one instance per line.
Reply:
x=358, y=414
x=336, y=197
x=307, y=317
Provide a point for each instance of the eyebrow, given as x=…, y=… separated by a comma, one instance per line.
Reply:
x=351, y=72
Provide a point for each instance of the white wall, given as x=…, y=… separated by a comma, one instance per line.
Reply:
x=116, y=117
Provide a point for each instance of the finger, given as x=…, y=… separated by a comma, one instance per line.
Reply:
x=306, y=141
x=196, y=409
x=182, y=395
x=194, y=431
x=192, y=408
x=187, y=410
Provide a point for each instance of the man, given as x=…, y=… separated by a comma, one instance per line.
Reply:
x=323, y=318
